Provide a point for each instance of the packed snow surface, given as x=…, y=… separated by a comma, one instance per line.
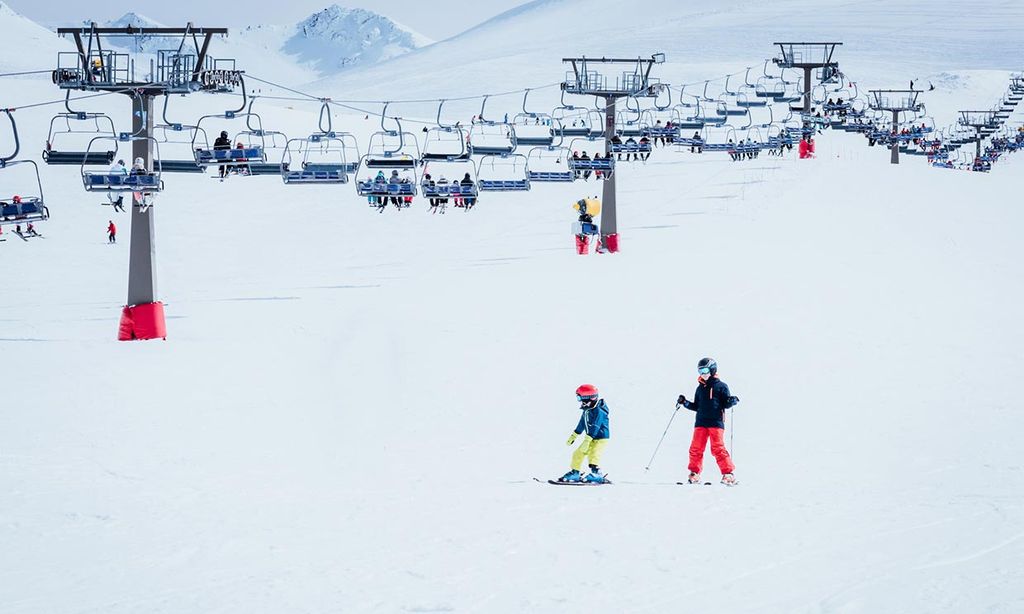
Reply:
x=350, y=406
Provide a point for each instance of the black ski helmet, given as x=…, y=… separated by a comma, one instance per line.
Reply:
x=708, y=363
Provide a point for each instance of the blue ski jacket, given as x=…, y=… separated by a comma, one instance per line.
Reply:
x=594, y=421
x=710, y=401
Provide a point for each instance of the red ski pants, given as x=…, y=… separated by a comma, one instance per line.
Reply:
x=701, y=435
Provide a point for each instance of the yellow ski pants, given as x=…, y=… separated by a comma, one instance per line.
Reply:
x=592, y=449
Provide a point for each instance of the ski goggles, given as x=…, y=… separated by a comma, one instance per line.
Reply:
x=704, y=370
x=589, y=397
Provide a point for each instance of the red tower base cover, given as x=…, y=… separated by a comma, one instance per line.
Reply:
x=611, y=243
x=140, y=322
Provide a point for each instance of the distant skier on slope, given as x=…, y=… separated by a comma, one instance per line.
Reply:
x=711, y=400
x=593, y=425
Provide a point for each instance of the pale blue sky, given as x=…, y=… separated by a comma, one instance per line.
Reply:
x=437, y=19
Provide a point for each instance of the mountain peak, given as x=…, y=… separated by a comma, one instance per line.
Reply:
x=337, y=37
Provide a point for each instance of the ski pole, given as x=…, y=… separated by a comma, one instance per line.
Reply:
x=732, y=433
x=662, y=438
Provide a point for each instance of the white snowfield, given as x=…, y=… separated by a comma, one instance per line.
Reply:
x=350, y=406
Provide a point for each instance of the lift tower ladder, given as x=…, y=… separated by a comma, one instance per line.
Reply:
x=597, y=77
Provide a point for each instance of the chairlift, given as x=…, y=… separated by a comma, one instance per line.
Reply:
x=84, y=124
x=131, y=181
x=488, y=137
x=504, y=173
x=274, y=144
x=533, y=128
x=550, y=164
x=235, y=156
x=630, y=127
x=177, y=135
x=663, y=120
x=605, y=164
x=747, y=94
x=394, y=149
x=688, y=114
x=718, y=138
x=571, y=121
x=721, y=104
x=444, y=141
x=465, y=182
x=21, y=208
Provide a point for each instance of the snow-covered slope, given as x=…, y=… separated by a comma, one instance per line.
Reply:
x=26, y=45
x=350, y=407
x=337, y=38
x=886, y=43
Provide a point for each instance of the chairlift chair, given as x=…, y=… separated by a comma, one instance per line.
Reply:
x=606, y=165
x=445, y=141
x=504, y=173
x=110, y=181
x=488, y=137
x=29, y=208
x=533, y=128
x=177, y=135
x=571, y=121
x=86, y=124
x=458, y=168
x=391, y=149
x=550, y=164
x=236, y=156
x=323, y=161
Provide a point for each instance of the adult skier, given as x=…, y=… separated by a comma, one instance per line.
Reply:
x=710, y=401
x=117, y=198
x=111, y=232
x=593, y=425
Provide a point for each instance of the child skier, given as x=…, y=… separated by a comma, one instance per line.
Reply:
x=711, y=400
x=594, y=426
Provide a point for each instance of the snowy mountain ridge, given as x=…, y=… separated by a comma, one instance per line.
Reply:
x=336, y=38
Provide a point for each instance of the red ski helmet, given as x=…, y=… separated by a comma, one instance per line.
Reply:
x=586, y=392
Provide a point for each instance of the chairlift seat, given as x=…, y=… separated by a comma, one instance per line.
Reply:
x=504, y=185
x=179, y=166
x=377, y=188
x=120, y=182
x=229, y=156
x=30, y=209
x=78, y=158
x=446, y=190
x=491, y=151
x=391, y=162
x=604, y=164
x=631, y=147
x=552, y=176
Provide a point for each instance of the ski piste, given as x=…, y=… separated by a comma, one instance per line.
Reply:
x=580, y=483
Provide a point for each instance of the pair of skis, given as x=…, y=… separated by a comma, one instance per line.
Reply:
x=584, y=483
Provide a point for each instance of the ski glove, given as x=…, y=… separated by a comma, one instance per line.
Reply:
x=681, y=400
x=733, y=401
x=572, y=439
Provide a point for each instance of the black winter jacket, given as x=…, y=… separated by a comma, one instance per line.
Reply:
x=710, y=401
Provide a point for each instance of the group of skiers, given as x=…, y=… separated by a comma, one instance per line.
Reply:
x=585, y=173
x=710, y=400
x=640, y=150
x=439, y=204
